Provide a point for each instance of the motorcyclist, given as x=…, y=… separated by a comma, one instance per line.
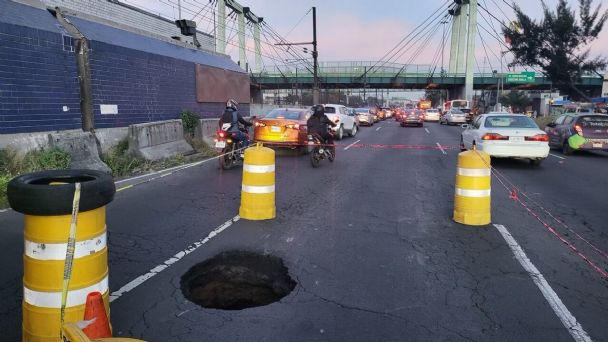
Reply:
x=230, y=121
x=318, y=124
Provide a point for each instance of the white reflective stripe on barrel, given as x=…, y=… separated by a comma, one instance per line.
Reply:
x=57, y=251
x=474, y=172
x=53, y=299
x=473, y=193
x=258, y=168
x=258, y=189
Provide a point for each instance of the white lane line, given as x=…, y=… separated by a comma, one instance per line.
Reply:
x=379, y=128
x=556, y=156
x=427, y=130
x=5, y=210
x=441, y=148
x=177, y=257
x=351, y=145
x=568, y=320
x=156, y=173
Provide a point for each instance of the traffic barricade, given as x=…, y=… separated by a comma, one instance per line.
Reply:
x=258, y=187
x=472, y=199
x=53, y=236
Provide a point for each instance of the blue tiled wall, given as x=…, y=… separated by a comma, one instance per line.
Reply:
x=37, y=78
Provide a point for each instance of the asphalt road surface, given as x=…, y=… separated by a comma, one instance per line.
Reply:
x=371, y=243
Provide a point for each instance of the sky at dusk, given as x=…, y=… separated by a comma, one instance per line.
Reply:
x=358, y=30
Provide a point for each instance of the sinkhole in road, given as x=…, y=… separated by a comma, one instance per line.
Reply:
x=236, y=280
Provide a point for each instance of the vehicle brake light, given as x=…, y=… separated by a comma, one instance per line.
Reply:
x=221, y=134
x=579, y=129
x=260, y=124
x=538, y=137
x=422, y=116
x=293, y=126
x=494, y=136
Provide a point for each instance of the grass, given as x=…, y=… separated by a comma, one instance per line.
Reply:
x=12, y=164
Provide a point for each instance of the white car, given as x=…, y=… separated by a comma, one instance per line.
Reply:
x=505, y=135
x=431, y=115
x=453, y=117
x=345, y=124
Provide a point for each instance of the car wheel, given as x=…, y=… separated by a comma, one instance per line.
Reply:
x=536, y=162
x=340, y=133
x=353, y=131
x=566, y=149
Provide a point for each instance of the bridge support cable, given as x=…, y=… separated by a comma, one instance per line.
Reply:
x=425, y=40
x=397, y=48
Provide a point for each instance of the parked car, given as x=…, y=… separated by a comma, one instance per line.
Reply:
x=506, y=136
x=412, y=117
x=453, y=117
x=365, y=116
x=346, y=125
x=579, y=132
x=431, y=115
x=283, y=127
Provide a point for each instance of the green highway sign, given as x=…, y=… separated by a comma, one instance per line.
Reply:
x=522, y=77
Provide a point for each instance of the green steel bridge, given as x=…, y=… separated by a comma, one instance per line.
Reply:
x=357, y=75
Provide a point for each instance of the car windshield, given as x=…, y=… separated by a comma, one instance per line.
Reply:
x=431, y=110
x=510, y=121
x=593, y=121
x=284, y=114
x=362, y=110
x=330, y=110
x=457, y=112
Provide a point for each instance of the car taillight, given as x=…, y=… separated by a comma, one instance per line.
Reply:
x=538, y=137
x=422, y=116
x=260, y=124
x=221, y=134
x=293, y=126
x=494, y=136
x=579, y=129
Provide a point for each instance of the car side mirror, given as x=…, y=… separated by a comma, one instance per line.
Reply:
x=552, y=124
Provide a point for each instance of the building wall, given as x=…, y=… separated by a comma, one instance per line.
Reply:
x=38, y=78
x=129, y=17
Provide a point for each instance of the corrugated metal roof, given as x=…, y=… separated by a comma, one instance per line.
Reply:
x=28, y=16
x=115, y=36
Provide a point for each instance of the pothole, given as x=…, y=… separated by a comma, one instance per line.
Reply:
x=237, y=280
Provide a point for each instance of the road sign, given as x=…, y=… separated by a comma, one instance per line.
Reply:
x=522, y=77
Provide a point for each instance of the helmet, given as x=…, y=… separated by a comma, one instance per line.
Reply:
x=318, y=110
x=232, y=104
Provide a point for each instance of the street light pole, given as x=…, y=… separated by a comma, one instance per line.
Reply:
x=315, y=55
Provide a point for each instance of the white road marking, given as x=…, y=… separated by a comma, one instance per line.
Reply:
x=427, y=130
x=441, y=148
x=177, y=257
x=379, y=128
x=157, y=172
x=568, y=320
x=351, y=145
x=5, y=210
x=556, y=156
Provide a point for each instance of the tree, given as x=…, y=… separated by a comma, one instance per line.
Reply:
x=517, y=100
x=558, y=44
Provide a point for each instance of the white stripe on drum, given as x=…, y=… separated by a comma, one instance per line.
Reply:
x=473, y=193
x=53, y=299
x=57, y=251
x=258, y=168
x=258, y=189
x=474, y=172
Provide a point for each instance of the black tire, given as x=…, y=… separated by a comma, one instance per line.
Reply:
x=402, y=124
x=340, y=133
x=536, y=162
x=226, y=161
x=353, y=132
x=314, y=161
x=566, y=149
x=32, y=194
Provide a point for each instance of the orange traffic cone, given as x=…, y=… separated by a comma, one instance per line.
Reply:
x=95, y=315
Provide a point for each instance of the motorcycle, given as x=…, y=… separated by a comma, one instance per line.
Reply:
x=231, y=150
x=320, y=150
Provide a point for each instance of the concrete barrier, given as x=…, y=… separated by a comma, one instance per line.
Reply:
x=206, y=129
x=158, y=140
x=82, y=147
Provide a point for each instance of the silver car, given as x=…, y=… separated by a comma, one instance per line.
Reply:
x=365, y=116
x=453, y=117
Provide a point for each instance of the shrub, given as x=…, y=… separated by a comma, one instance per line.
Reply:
x=189, y=121
x=121, y=162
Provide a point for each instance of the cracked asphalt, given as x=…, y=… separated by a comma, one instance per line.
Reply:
x=369, y=240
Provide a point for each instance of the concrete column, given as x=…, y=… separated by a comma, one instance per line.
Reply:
x=242, y=57
x=220, y=45
x=258, y=46
x=454, y=42
x=462, y=38
x=470, y=64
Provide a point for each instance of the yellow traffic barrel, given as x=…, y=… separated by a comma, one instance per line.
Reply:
x=258, y=187
x=46, y=199
x=472, y=199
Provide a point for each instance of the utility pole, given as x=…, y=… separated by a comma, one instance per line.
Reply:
x=315, y=56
